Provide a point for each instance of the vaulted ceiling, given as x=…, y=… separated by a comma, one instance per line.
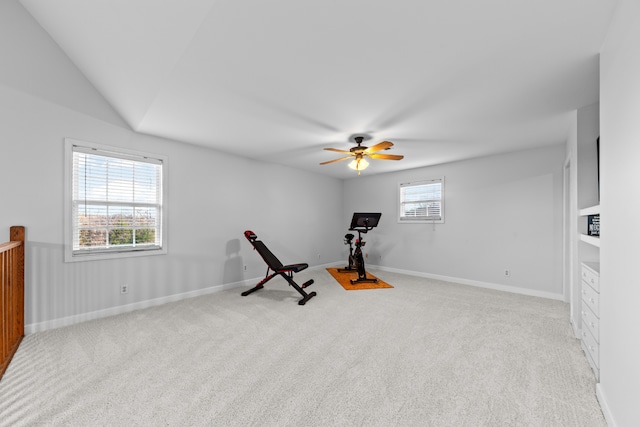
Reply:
x=279, y=81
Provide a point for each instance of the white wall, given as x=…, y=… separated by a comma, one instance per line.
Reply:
x=501, y=212
x=213, y=197
x=619, y=387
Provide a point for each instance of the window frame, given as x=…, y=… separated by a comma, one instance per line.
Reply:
x=423, y=219
x=71, y=255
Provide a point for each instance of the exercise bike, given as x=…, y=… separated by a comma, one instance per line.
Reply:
x=348, y=240
x=362, y=223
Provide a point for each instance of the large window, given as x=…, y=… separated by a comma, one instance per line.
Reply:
x=421, y=201
x=115, y=202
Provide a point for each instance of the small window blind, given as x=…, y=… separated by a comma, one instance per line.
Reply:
x=117, y=201
x=421, y=201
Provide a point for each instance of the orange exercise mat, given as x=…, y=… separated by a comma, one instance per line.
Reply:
x=344, y=280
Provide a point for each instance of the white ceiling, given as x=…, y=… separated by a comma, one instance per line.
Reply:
x=280, y=80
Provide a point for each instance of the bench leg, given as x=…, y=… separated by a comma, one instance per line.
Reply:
x=259, y=285
x=252, y=290
x=307, y=297
x=301, y=291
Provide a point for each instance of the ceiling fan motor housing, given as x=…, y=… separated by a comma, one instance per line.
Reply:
x=359, y=148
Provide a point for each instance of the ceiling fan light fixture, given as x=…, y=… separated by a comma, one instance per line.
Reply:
x=358, y=154
x=359, y=164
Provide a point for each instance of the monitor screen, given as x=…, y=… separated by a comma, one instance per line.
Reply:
x=365, y=220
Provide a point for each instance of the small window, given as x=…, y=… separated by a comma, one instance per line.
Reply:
x=115, y=202
x=421, y=201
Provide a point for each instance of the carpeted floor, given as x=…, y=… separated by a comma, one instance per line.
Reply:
x=426, y=353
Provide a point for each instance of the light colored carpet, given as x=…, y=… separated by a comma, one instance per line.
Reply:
x=427, y=353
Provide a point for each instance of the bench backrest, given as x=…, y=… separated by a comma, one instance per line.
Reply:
x=268, y=257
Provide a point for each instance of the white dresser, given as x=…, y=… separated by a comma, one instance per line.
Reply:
x=591, y=314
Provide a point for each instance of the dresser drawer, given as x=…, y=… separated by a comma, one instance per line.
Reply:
x=591, y=277
x=591, y=346
x=590, y=321
x=591, y=298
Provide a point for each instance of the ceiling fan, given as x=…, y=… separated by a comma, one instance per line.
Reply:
x=359, y=153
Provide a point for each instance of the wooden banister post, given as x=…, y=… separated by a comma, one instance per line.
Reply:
x=17, y=234
x=11, y=295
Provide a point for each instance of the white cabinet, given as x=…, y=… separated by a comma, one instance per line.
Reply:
x=591, y=314
x=590, y=293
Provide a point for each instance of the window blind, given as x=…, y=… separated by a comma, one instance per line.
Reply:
x=421, y=201
x=116, y=201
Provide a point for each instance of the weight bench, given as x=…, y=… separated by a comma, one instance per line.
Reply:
x=276, y=266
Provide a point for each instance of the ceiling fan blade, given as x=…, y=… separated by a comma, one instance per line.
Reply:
x=336, y=160
x=386, y=156
x=384, y=145
x=338, y=150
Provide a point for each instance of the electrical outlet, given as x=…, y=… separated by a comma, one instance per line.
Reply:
x=507, y=272
x=124, y=289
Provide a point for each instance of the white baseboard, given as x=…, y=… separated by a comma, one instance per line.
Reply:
x=494, y=286
x=113, y=311
x=606, y=411
x=576, y=330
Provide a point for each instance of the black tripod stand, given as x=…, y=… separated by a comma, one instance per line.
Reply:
x=362, y=223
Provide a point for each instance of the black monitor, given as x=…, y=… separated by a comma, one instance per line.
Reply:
x=365, y=220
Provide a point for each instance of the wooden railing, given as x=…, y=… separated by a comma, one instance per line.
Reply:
x=11, y=296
